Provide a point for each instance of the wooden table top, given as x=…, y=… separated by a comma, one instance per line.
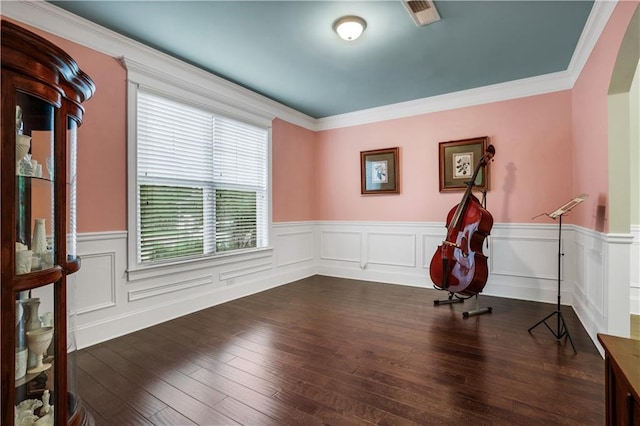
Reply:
x=626, y=354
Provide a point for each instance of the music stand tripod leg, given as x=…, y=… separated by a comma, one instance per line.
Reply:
x=543, y=320
x=562, y=329
x=565, y=331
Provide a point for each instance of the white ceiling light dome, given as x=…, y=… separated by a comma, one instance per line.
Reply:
x=349, y=27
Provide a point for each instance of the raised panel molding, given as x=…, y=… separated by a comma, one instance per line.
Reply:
x=595, y=280
x=294, y=247
x=524, y=257
x=345, y=246
x=580, y=259
x=232, y=274
x=635, y=300
x=96, y=282
x=393, y=249
x=430, y=243
x=635, y=271
x=157, y=290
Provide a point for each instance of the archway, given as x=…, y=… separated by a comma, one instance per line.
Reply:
x=623, y=104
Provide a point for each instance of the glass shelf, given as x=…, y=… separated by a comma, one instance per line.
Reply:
x=31, y=376
x=35, y=203
x=42, y=178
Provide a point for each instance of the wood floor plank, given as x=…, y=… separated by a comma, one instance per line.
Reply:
x=273, y=407
x=344, y=352
x=129, y=392
x=180, y=381
x=100, y=401
x=244, y=414
x=170, y=417
x=151, y=359
x=180, y=401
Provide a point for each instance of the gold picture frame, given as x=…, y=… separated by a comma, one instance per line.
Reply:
x=380, y=171
x=458, y=160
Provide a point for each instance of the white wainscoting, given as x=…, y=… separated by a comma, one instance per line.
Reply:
x=589, y=297
x=635, y=270
x=522, y=261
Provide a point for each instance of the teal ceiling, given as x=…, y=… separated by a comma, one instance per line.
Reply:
x=287, y=50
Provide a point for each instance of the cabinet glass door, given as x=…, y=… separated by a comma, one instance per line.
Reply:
x=34, y=185
x=34, y=253
x=34, y=366
x=71, y=182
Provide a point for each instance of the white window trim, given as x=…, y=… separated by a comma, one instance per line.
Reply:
x=182, y=89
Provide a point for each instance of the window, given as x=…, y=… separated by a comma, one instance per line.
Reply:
x=201, y=182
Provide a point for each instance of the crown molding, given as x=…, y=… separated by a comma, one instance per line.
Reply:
x=57, y=21
x=482, y=95
x=187, y=85
x=597, y=20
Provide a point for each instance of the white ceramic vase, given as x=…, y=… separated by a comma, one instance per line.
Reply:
x=24, y=261
x=32, y=322
x=39, y=238
x=21, y=362
x=22, y=352
x=19, y=311
x=31, y=315
x=23, y=144
x=38, y=341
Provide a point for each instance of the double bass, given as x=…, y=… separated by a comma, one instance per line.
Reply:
x=458, y=265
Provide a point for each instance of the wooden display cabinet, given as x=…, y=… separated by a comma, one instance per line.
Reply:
x=622, y=380
x=42, y=93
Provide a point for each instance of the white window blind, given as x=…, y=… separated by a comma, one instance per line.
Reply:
x=201, y=181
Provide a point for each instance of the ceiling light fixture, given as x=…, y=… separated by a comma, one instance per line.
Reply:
x=349, y=27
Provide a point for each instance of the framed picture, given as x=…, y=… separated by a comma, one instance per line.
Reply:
x=458, y=161
x=379, y=171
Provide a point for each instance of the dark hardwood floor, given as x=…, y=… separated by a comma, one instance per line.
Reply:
x=343, y=352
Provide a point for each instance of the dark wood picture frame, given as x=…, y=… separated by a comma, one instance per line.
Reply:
x=458, y=160
x=380, y=171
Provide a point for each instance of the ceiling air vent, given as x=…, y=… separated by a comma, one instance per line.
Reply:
x=422, y=12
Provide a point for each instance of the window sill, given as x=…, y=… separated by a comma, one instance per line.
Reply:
x=161, y=269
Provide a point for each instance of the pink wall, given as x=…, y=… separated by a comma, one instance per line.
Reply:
x=316, y=175
x=294, y=172
x=590, y=133
x=531, y=172
x=102, y=166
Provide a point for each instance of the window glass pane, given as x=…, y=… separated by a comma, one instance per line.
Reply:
x=202, y=181
x=171, y=222
x=235, y=219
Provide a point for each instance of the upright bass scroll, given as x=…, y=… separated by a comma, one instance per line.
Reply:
x=458, y=265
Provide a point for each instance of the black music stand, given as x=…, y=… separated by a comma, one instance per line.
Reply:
x=561, y=327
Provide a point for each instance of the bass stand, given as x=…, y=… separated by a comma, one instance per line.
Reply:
x=561, y=326
x=450, y=300
x=459, y=299
x=477, y=310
